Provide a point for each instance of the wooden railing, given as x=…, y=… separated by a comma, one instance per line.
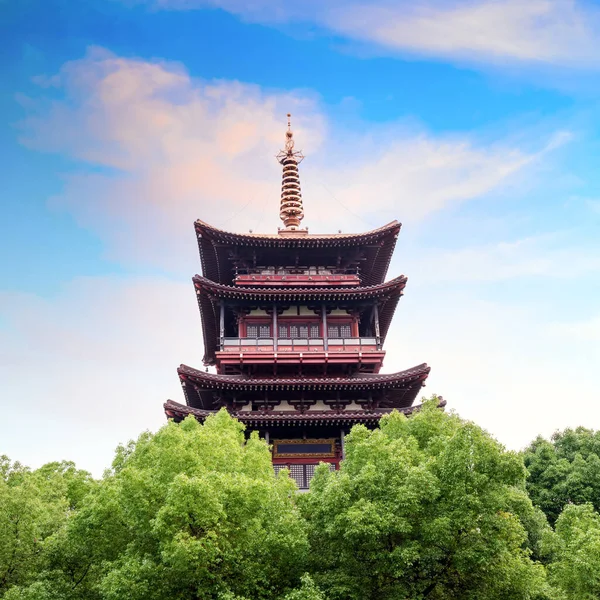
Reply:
x=236, y=344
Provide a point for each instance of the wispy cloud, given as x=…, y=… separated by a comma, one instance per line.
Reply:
x=554, y=32
x=174, y=148
x=90, y=367
x=583, y=330
x=559, y=32
x=158, y=148
x=556, y=256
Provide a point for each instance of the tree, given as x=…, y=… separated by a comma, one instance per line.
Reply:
x=424, y=507
x=576, y=548
x=191, y=512
x=34, y=505
x=565, y=470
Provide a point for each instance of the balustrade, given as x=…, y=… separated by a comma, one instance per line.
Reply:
x=357, y=343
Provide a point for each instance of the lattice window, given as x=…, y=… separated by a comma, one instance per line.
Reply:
x=339, y=331
x=297, y=473
x=345, y=331
x=252, y=331
x=310, y=473
x=301, y=474
x=298, y=330
x=264, y=331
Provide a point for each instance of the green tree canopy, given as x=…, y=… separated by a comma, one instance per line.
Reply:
x=193, y=511
x=34, y=505
x=576, y=565
x=425, y=507
x=565, y=470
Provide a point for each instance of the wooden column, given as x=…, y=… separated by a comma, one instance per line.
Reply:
x=377, y=332
x=324, y=321
x=222, y=324
x=342, y=434
x=274, y=325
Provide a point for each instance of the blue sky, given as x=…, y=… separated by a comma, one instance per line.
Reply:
x=474, y=123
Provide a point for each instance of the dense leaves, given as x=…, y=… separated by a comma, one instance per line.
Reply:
x=426, y=507
x=191, y=512
x=34, y=506
x=576, y=566
x=564, y=471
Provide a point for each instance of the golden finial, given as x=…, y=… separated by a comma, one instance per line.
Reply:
x=291, y=210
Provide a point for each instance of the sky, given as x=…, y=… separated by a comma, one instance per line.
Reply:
x=475, y=123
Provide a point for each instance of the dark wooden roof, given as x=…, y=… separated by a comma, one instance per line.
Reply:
x=216, y=247
x=178, y=412
x=202, y=389
x=294, y=295
x=208, y=292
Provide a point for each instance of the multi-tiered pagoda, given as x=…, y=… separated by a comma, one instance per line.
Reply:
x=294, y=324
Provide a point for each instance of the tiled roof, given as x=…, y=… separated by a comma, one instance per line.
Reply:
x=357, y=381
x=272, y=294
x=177, y=411
x=216, y=246
x=205, y=390
x=313, y=239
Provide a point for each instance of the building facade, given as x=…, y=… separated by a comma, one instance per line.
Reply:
x=294, y=325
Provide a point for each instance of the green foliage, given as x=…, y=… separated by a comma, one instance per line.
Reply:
x=425, y=507
x=564, y=471
x=308, y=590
x=576, y=566
x=194, y=511
x=34, y=505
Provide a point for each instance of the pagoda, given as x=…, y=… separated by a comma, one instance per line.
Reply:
x=294, y=325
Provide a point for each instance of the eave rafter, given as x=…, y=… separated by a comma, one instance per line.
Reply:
x=178, y=412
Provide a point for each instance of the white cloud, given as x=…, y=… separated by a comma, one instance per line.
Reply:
x=586, y=330
x=557, y=32
x=90, y=368
x=538, y=31
x=173, y=148
x=555, y=256
x=501, y=366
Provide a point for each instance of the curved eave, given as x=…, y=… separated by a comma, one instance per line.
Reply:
x=178, y=412
x=271, y=294
x=215, y=245
x=359, y=381
x=206, y=390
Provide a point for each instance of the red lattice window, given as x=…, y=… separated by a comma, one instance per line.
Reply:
x=301, y=474
x=343, y=330
x=258, y=331
x=298, y=330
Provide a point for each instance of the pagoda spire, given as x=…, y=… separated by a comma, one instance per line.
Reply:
x=291, y=211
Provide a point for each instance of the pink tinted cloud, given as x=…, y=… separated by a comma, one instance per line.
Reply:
x=175, y=148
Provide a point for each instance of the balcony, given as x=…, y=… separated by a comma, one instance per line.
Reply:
x=314, y=356
x=359, y=344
